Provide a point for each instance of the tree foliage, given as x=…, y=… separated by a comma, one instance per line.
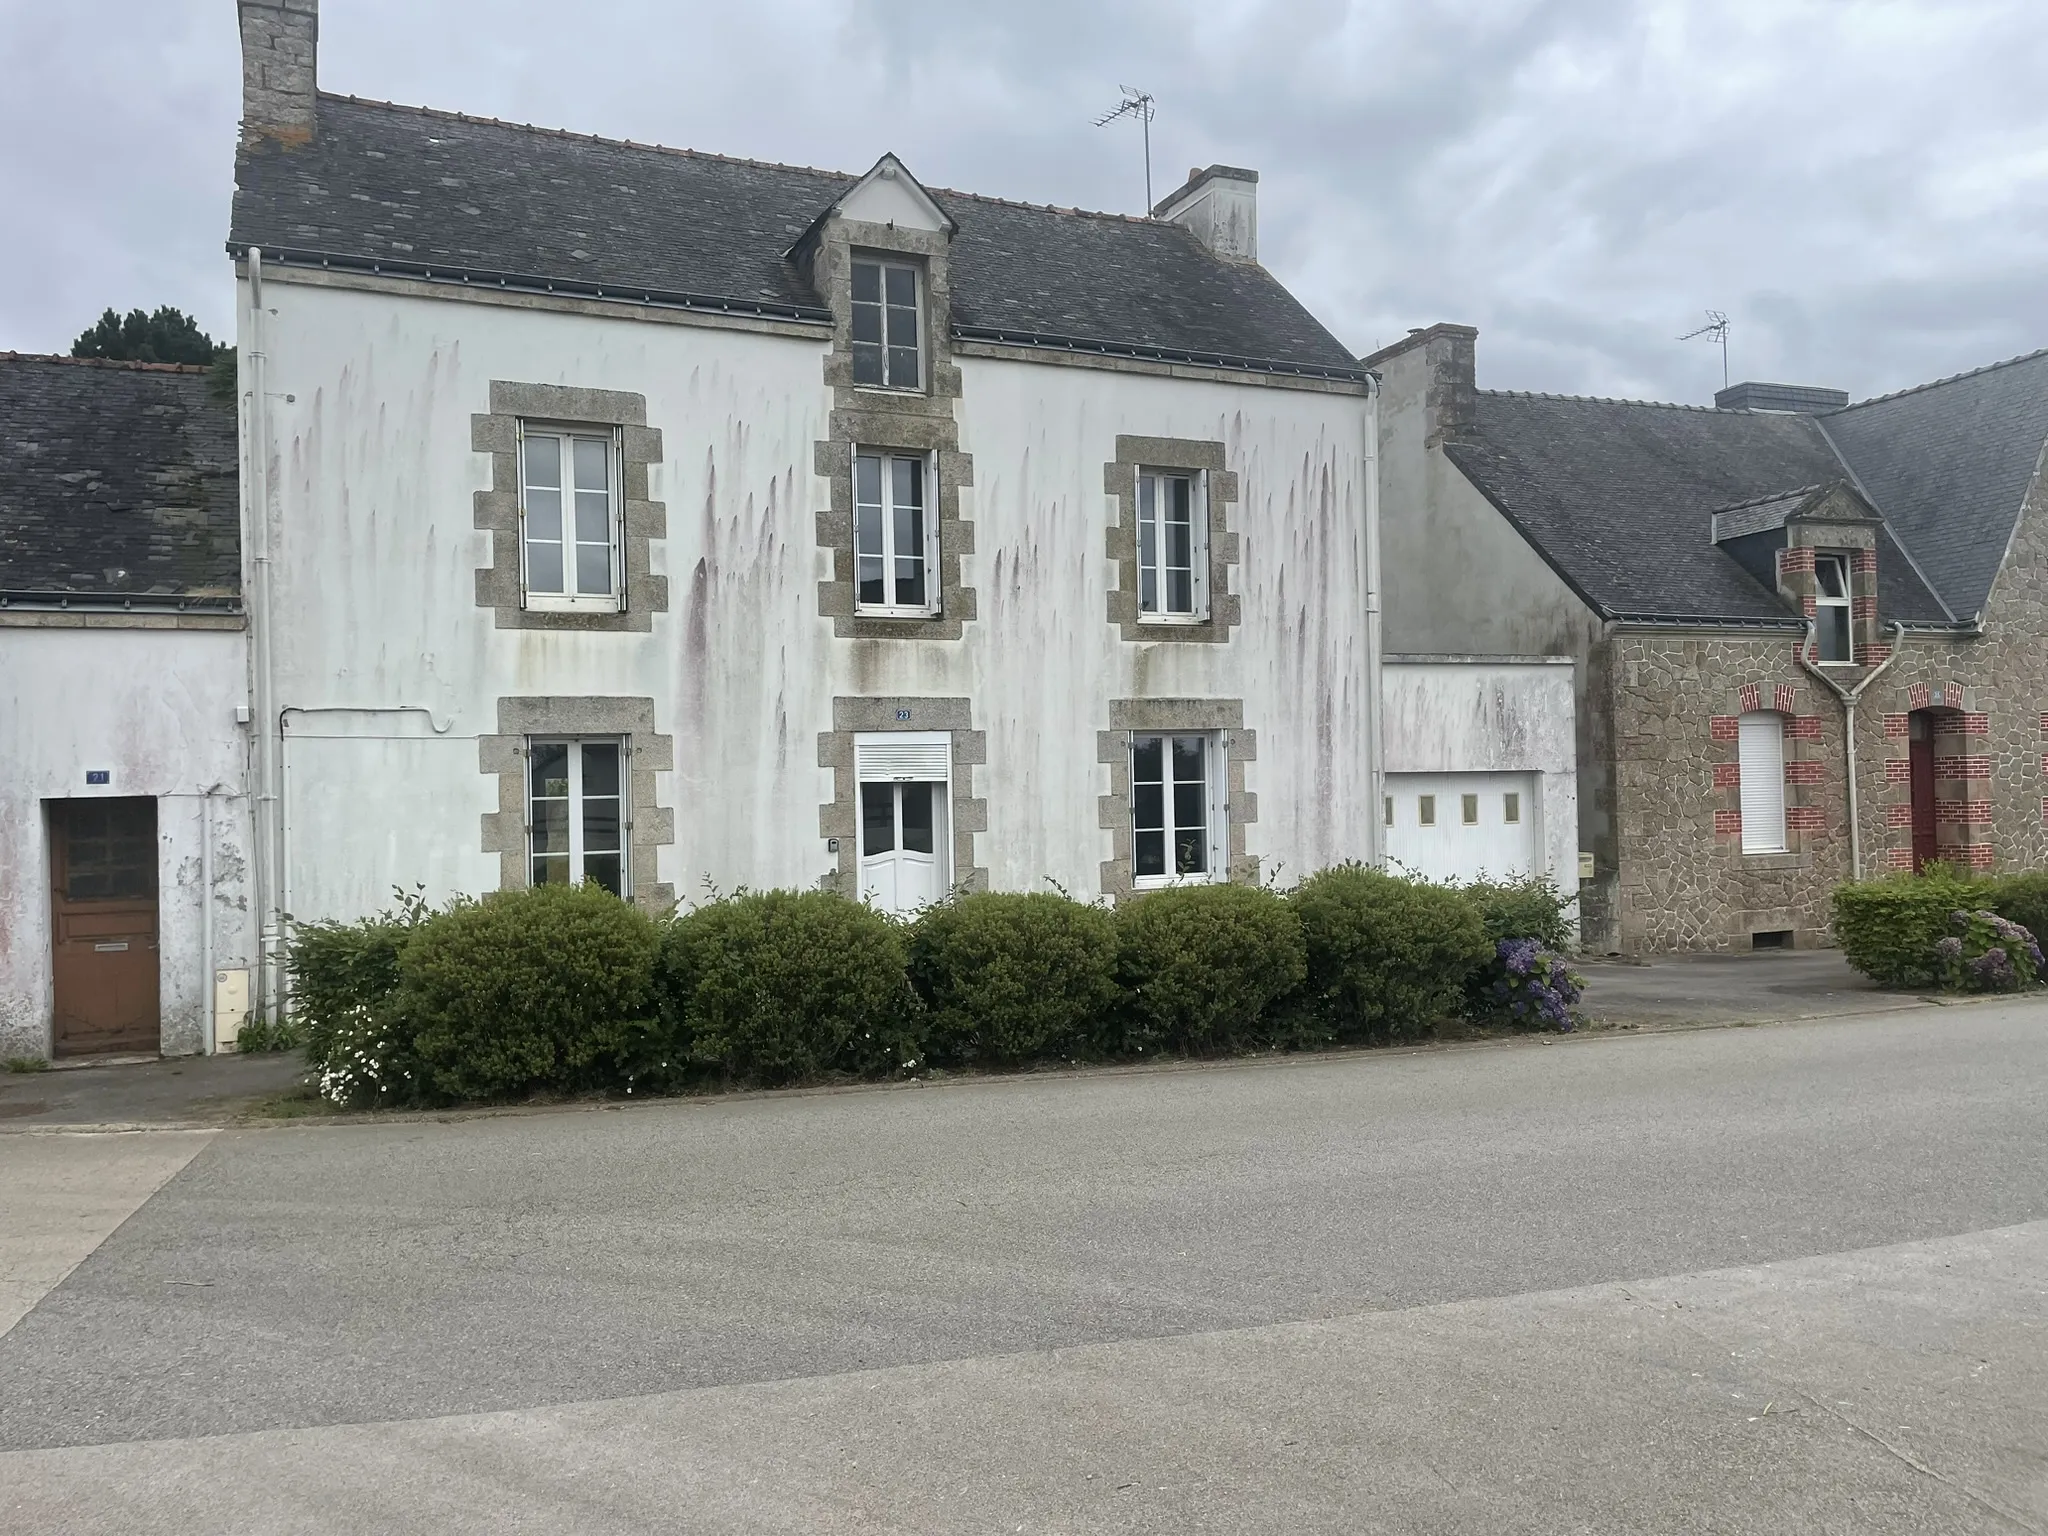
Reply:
x=168, y=336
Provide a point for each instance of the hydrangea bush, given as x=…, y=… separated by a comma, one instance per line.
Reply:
x=1532, y=987
x=1987, y=953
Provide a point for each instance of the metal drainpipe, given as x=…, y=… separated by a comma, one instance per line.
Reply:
x=1375, y=745
x=1849, y=696
x=262, y=683
x=206, y=1040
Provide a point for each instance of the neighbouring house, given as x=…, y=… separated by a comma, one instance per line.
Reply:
x=1810, y=637
x=125, y=915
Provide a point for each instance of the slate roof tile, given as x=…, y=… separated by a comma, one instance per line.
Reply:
x=413, y=185
x=116, y=479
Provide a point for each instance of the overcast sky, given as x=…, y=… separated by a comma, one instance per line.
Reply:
x=1863, y=188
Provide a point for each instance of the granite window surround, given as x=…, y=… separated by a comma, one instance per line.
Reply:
x=1113, y=750
x=499, y=586
x=629, y=720
x=904, y=421
x=1219, y=491
x=840, y=816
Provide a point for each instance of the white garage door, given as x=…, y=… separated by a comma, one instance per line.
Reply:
x=1459, y=826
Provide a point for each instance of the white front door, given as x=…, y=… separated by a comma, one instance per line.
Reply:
x=903, y=845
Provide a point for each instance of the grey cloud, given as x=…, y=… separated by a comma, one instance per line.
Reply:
x=1863, y=189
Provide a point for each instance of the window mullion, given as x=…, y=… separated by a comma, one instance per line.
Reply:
x=575, y=811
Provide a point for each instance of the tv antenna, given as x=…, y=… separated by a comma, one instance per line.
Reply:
x=1716, y=329
x=1136, y=104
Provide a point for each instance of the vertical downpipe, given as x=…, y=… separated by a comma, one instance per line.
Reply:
x=261, y=681
x=1376, y=778
x=206, y=1021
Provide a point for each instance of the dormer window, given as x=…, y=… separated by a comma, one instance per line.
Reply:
x=887, y=340
x=1831, y=607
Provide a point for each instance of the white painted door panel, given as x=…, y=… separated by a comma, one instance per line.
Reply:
x=1491, y=844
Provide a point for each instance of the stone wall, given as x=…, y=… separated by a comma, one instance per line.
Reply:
x=1669, y=699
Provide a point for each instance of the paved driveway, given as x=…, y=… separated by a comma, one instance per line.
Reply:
x=1755, y=1280
x=1755, y=987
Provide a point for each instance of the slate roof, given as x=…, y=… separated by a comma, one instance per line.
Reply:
x=1949, y=464
x=1618, y=495
x=117, y=481
x=424, y=192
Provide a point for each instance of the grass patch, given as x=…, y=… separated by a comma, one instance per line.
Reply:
x=25, y=1064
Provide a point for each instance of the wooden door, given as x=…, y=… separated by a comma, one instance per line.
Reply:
x=1921, y=744
x=103, y=921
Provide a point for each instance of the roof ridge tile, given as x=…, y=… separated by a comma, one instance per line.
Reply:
x=133, y=364
x=1967, y=373
x=1655, y=405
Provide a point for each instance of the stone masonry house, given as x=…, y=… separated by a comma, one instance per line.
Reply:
x=1810, y=636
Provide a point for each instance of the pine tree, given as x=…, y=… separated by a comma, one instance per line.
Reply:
x=168, y=336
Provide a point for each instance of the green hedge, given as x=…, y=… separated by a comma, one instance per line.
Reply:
x=1530, y=908
x=540, y=988
x=1387, y=956
x=1007, y=978
x=2023, y=899
x=1200, y=965
x=774, y=986
x=333, y=970
x=1888, y=928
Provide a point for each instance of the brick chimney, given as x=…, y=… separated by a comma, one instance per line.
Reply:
x=1220, y=206
x=280, y=41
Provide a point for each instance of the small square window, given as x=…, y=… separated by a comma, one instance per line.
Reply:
x=895, y=535
x=569, y=519
x=887, y=341
x=1173, y=546
x=1511, y=808
x=1425, y=810
x=1176, y=809
x=1468, y=810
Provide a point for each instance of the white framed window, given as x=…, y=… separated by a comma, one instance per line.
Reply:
x=1468, y=810
x=1511, y=808
x=905, y=781
x=1832, y=609
x=1178, y=808
x=570, y=519
x=888, y=350
x=575, y=817
x=895, y=535
x=1760, y=749
x=1173, y=546
x=1425, y=810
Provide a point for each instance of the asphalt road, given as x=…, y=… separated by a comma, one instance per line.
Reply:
x=1748, y=1279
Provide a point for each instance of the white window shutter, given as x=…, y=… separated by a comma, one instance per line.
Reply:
x=618, y=490
x=1761, y=753
x=519, y=495
x=902, y=756
x=1201, y=537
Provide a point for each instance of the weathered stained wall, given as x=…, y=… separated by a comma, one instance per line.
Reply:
x=1493, y=715
x=156, y=707
x=378, y=611
x=1461, y=580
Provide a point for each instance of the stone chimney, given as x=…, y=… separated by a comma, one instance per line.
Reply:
x=1795, y=399
x=280, y=40
x=1220, y=206
x=1449, y=385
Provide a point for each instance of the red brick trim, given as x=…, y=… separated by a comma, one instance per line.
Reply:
x=1805, y=818
x=1976, y=725
x=1782, y=698
x=1863, y=562
x=1919, y=696
x=1803, y=773
x=1724, y=728
x=1975, y=855
x=1965, y=767
x=1902, y=815
x=1803, y=728
x=1795, y=562
x=1900, y=726
x=1898, y=770
x=1900, y=858
x=1968, y=813
x=1729, y=775
x=1728, y=823
x=1876, y=655
x=1751, y=697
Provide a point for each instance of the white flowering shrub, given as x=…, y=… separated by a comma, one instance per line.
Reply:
x=368, y=1061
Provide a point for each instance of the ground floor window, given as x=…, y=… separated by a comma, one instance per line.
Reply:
x=575, y=818
x=1760, y=749
x=1176, y=809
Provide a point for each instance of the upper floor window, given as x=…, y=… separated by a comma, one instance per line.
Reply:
x=1831, y=607
x=887, y=334
x=1176, y=809
x=1173, y=546
x=574, y=813
x=569, y=518
x=895, y=536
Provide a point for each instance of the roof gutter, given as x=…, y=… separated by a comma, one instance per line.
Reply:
x=116, y=602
